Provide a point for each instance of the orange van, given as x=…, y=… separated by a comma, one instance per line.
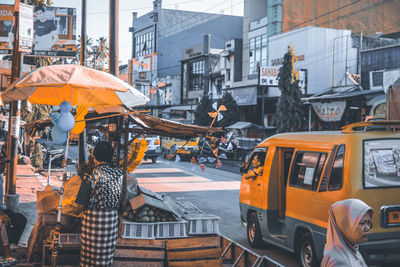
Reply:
x=305, y=173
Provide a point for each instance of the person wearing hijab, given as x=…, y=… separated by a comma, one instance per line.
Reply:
x=349, y=225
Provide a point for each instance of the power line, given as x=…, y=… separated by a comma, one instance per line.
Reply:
x=329, y=48
x=140, y=8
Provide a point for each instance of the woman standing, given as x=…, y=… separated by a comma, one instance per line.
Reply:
x=349, y=225
x=100, y=220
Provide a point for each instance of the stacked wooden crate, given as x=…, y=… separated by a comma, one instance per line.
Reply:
x=189, y=251
x=139, y=252
x=194, y=251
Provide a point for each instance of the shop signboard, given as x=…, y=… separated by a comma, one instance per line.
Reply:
x=329, y=111
x=193, y=52
x=6, y=24
x=54, y=31
x=245, y=96
x=269, y=76
x=140, y=70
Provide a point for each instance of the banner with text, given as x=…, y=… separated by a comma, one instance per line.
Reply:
x=330, y=111
x=54, y=31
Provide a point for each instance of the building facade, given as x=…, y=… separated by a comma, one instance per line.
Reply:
x=159, y=40
x=265, y=19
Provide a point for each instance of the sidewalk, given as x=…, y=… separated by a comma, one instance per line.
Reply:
x=28, y=183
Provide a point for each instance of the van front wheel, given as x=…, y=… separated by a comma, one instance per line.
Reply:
x=306, y=251
x=253, y=231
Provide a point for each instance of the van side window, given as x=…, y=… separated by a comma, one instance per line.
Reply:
x=255, y=165
x=307, y=169
x=336, y=177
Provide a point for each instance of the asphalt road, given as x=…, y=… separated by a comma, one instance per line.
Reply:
x=214, y=191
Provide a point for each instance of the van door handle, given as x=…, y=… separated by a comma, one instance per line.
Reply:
x=259, y=184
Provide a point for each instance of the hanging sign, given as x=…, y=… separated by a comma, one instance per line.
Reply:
x=25, y=28
x=330, y=111
x=15, y=123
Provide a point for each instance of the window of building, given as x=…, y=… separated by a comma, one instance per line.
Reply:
x=307, y=169
x=377, y=78
x=196, y=72
x=228, y=75
x=257, y=52
x=144, y=44
x=275, y=12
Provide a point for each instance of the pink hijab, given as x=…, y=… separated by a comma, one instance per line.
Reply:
x=344, y=217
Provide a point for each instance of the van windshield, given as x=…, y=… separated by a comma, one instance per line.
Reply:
x=381, y=163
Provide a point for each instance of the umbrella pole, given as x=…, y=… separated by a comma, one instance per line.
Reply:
x=59, y=208
x=125, y=167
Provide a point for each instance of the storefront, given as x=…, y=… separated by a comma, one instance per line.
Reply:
x=333, y=110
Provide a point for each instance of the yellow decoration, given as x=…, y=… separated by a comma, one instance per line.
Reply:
x=80, y=124
x=135, y=154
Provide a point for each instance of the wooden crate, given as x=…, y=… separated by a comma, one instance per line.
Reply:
x=139, y=252
x=194, y=251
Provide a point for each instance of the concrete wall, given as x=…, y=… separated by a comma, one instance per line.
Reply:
x=171, y=46
x=316, y=46
x=253, y=10
x=367, y=16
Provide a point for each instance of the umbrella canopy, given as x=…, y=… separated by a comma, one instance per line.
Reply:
x=51, y=85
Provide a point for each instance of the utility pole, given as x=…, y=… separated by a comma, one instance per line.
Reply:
x=82, y=136
x=114, y=27
x=11, y=197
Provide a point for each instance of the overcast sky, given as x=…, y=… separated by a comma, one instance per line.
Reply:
x=98, y=15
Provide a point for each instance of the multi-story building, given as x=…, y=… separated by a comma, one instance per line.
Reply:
x=159, y=41
x=264, y=19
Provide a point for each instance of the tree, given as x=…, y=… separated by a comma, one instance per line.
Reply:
x=100, y=54
x=231, y=115
x=201, y=113
x=289, y=109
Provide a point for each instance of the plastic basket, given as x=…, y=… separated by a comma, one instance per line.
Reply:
x=137, y=230
x=170, y=229
x=202, y=224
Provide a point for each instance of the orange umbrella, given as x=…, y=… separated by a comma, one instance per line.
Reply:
x=51, y=85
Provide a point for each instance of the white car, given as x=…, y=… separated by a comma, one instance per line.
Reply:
x=153, y=148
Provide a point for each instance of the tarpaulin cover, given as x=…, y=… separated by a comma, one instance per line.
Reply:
x=48, y=200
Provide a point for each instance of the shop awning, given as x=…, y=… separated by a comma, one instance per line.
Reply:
x=147, y=124
x=180, y=108
x=240, y=125
x=157, y=126
x=352, y=92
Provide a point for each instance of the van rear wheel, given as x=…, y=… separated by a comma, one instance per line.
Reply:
x=306, y=251
x=253, y=231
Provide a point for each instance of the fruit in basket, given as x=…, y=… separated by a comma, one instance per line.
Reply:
x=143, y=219
x=142, y=213
x=125, y=214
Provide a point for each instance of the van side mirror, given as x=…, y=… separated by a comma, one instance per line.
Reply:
x=243, y=168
